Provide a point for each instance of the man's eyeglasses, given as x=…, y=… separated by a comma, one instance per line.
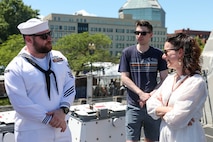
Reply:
x=43, y=36
x=142, y=33
x=167, y=50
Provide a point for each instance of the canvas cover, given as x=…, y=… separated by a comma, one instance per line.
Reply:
x=207, y=68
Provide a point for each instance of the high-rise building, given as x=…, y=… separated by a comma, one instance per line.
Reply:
x=149, y=10
x=120, y=30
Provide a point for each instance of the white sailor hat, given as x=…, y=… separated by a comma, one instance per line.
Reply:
x=33, y=26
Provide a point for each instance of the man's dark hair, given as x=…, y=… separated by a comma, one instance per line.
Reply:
x=145, y=24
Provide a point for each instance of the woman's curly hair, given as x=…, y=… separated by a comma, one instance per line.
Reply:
x=192, y=52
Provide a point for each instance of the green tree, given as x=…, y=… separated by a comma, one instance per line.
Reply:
x=76, y=48
x=12, y=13
x=201, y=42
x=10, y=48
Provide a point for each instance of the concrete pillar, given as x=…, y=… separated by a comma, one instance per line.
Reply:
x=89, y=88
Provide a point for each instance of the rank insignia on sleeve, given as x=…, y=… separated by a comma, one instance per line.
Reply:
x=57, y=59
x=6, y=71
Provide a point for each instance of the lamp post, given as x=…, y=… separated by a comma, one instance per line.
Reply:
x=91, y=47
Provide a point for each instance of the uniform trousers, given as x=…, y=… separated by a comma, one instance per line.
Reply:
x=48, y=134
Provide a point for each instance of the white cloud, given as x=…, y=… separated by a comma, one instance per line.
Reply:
x=41, y=16
x=84, y=13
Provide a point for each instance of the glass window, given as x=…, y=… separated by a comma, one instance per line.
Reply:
x=65, y=28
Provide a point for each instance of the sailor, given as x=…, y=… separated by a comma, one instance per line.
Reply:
x=40, y=86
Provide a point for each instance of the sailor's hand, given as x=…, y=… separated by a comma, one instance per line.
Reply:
x=58, y=119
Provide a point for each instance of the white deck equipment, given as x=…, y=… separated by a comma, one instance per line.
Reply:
x=98, y=122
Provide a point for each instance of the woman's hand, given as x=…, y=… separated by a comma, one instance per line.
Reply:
x=162, y=110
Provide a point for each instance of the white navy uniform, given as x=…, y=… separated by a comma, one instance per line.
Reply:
x=26, y=89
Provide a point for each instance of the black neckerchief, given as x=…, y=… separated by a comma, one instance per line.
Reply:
x=46, y=72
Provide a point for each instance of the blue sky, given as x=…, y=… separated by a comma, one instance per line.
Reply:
x=193, y=14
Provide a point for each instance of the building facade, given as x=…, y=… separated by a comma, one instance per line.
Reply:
x=120, y=30
x=204, y=35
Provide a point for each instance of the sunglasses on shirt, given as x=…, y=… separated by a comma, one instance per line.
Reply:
x=43, y=36
x=142, y=33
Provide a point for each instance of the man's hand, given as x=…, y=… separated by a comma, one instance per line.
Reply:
x=143, y=97
x=58, y=119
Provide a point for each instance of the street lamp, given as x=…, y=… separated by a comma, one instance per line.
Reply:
x=91, y=48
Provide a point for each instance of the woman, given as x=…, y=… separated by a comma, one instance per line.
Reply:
x=181, y=97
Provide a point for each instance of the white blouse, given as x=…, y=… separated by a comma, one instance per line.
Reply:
x=187, y=101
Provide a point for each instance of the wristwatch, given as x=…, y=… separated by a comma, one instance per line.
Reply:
x=65, y=109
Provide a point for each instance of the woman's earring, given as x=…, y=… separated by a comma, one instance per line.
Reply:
x=179, y=62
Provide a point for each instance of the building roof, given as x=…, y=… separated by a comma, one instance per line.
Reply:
x=132, y=4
